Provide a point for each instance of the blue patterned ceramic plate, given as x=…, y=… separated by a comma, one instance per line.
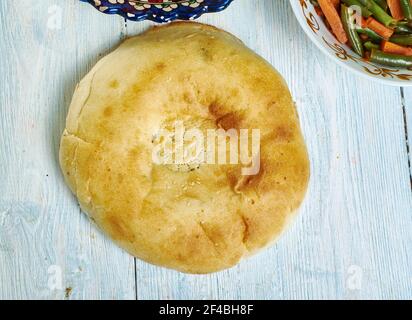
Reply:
x=159, y=10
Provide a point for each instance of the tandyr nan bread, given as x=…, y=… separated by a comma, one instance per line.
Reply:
x=193, y=216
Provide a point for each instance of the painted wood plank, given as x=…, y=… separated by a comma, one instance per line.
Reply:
x=49, y=46
x=352, y=238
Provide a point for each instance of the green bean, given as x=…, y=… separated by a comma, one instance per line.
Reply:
x=371, y=34
x=404, y=40
x=365, y=12
x=378, y=12
x=349, y=26
x=404, y=23
x=383, y=4
x=391, y=60
x=406, y=9
x=369, y=45
x=402, y=28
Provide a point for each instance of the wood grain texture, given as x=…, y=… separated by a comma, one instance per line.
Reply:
x=351, y=240
x=41, y=225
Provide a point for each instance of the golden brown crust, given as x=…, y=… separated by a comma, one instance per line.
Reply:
x=198, y=221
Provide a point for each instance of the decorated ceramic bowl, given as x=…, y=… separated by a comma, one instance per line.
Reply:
x=159, y=10
x=317, y=31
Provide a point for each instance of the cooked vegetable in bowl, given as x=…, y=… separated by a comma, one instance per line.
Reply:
x=382, y=32
x=371, y=37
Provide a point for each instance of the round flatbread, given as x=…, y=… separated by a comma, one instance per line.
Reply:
x=194, y=216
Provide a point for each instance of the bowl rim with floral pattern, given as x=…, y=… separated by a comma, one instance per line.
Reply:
x=160, y=11
x=315, y=28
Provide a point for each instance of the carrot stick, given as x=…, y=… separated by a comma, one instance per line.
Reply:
x=363, y=22
x=333, y=18
x=379, y=28
x=394, y=48
x=335, y=3
x=396, y=9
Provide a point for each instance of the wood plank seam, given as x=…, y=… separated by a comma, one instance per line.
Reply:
x=405, y=124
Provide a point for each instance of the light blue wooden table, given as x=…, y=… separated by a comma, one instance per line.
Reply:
x=352, y=240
